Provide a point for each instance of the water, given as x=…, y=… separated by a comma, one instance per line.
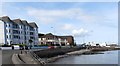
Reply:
x=109, y=57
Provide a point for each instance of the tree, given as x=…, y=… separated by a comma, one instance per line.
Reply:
x=75, y=44
x=30, y=41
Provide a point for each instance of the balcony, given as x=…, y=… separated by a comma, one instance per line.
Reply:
x=15, y=27
x=32, y=29
x=16, y=32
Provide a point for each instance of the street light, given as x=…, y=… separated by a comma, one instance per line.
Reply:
x=53, y=34
x=30, y=41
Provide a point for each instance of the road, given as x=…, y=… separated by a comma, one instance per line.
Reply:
x=7, y=56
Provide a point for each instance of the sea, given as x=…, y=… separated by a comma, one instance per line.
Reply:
x=108, y=57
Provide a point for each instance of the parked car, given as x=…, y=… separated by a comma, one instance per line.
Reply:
x=51, y=47
x=26, y=47
x=21, y=47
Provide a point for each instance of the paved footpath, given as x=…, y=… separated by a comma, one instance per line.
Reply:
x=27, y=58
x=7, y=56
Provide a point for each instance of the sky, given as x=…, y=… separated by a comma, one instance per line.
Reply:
x=86, y=21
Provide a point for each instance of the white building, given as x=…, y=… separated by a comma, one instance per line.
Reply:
x=103, y=44
x=91, y=43
x=59, y=41
x=17, y=31
x=51, y=39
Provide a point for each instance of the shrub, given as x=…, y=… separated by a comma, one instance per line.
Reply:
x=5, y=45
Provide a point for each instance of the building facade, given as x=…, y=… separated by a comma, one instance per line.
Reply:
x=17, y=31
x=55, y=40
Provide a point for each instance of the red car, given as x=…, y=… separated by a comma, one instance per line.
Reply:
x=51, y=47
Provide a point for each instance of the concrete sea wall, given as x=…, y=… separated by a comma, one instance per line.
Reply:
x=48, y=53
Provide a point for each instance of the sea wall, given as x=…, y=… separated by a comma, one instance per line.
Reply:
x=54, y=52
x=104, y=49
x=51, y=55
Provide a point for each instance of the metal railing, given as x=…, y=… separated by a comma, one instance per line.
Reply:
x=37, y=58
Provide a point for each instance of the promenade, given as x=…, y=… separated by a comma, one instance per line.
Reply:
x=40, y=56
x=7, y=56
x=16, y=57
x=27, y=58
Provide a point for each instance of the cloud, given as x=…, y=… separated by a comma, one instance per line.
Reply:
x=67, y=27
x=109, y=18
x=49, y=16
x=80, y=32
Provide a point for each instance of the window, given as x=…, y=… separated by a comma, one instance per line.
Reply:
x=31, y=33
x=36, y=29
x=31, y=37
x=19, y=37
x=48, y=38
x=15, y=32
x=9, y=25
x=25, y=37
x=6, y=31
x=7, y=36
x=15, y=36
x=9, y=31
x=10, y=36
x=42, y=43
x=40, y=39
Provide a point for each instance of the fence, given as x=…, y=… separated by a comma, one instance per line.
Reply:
x=37, y=58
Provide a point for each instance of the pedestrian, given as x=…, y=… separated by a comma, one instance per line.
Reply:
x=21, y=51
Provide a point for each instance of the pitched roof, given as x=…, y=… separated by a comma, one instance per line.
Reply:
x=51, y=35
x=66, y=36
x=47, y=35
x=33, y=24
x=25, y=22
x=40, y=34
x=5, y=19
x=17, y=21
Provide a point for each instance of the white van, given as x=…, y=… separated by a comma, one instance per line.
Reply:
x=16, y=46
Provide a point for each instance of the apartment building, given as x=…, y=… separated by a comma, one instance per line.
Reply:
x=54, y=40
x=17, y=31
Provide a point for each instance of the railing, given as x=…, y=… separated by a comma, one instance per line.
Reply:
x=37, y=58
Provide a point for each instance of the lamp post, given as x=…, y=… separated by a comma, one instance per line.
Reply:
x=30, y=41
x=53, y=34
x=83, y=39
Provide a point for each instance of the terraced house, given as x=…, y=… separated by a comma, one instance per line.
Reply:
x=55, y=40
x=17, y=31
